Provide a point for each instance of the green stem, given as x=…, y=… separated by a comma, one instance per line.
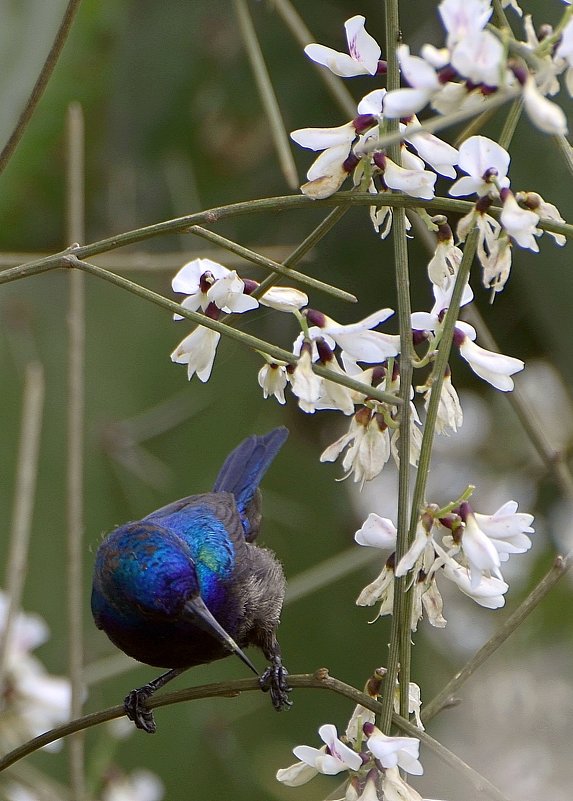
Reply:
x=306, y=245
x=269, y=264
x=399, y=648
x=320, y=680
x=344, y=200
x=510, y=124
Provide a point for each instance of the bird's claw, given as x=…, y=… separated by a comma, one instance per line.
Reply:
x=135, y=709
x=275, y=681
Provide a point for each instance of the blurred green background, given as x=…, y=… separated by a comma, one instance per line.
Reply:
x=174, y=125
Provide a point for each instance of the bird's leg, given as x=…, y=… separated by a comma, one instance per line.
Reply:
x=134, y=702
x=275, y=678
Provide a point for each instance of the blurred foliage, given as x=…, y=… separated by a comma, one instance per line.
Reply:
x=174, y=125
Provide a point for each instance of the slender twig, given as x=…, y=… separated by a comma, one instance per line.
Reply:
x=446, y=696
x=308, y=243
x=24, y=497
x=75, y=445
x=41, y=83
x=399, y=647
x=320, y=680
x=344, y=200
x=269, y=264
x=267, y=94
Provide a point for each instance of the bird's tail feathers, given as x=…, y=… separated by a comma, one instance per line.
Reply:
x=246, y=465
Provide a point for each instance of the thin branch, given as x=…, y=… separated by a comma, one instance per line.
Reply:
x=248, y=340
x=75, y=442
x=320, y=680
x=269, y=264
x=267, y=94
x=41, y=83
x=344, y=200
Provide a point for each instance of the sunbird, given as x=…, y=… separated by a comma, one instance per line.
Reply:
x=188, y=585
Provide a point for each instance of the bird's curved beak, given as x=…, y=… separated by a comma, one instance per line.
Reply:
x=203, y=617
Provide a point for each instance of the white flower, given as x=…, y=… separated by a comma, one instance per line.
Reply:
x=433, y=605
x=488, y=593
x=305, y=384
x=364, y=52
x=368, y=443
x=228, y=295
x=444, y=264
x=339, y=757
x=440, y=155
x=481, y=554
x=197, y=351
x=422, y=80
x=194, y=279
x=497, y=266
x=401, y=752
x=284, y=298
x=494, y=368
x=480, y=57
x=273, y=379
x=534, y=202
x=416, y=183
x=486, y=164
x=450, y=415
x=545, y=114
x=464, y=17
x=327, y=174
x=377, y=532
x=333, y=395
x=324, y=138
x=394, y=788
x=381, y=589
x=421, y=550
x=507, y=529
x=298, y=774
x=357, y=340
x=205, y=281
x=520, y=224
x=359, y=717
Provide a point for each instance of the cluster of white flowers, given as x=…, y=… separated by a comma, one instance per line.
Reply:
x=371, y=760
x=216, y=290
x=470, y=70
x=465, y=547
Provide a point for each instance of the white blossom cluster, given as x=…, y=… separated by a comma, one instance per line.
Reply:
x=463, y=546
x=476, y=65
x=371, y=760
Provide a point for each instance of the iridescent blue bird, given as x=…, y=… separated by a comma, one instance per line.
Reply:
x=187, y=585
